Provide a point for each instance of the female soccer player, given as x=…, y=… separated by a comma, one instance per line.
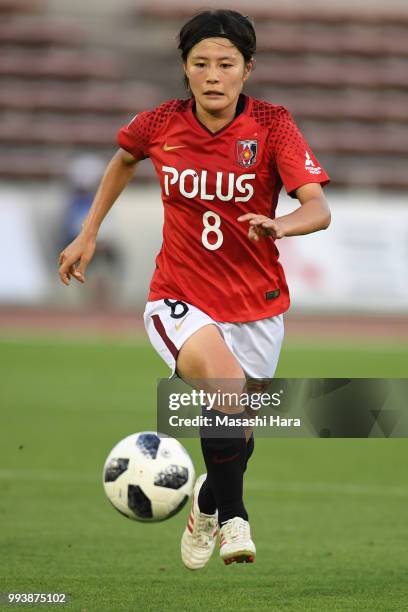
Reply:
x=218, y=292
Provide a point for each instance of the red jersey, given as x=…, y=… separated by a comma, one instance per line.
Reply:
x=208, y=180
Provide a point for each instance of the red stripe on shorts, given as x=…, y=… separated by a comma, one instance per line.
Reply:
x=162, y=333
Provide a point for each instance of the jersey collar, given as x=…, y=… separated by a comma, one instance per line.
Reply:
x=247, y=104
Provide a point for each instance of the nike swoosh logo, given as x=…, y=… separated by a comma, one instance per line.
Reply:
x=217, y=459
x=167, y=148
x=178, y=325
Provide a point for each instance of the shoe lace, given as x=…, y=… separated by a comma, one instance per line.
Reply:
x=204, y=530
x=236, y=529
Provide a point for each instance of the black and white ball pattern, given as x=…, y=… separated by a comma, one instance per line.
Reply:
x=148, y=477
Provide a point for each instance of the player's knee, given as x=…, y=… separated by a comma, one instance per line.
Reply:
x=229, y=370
x=210, y=366
x=221, y=430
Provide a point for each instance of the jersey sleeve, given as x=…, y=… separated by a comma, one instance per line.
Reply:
x=134, y=137
x=295, y=161
x=137, y=136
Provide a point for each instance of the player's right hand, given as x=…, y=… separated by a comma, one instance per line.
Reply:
x=74, y=259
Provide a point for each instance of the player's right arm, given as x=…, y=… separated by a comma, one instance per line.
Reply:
x=75, y=258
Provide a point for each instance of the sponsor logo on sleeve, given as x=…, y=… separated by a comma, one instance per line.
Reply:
x=310, y=166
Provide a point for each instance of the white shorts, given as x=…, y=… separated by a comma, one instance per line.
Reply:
x=256, y=344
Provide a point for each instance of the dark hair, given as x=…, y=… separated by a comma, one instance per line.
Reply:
x=219, y=24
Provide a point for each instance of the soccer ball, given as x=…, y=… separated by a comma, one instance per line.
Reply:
x=147, y=477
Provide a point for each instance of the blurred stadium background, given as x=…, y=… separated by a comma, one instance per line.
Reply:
x=72, y=73
x=77, y=372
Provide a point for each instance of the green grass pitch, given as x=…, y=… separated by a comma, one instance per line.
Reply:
x=329, y=517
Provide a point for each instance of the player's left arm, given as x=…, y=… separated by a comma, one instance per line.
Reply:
x=312, y=215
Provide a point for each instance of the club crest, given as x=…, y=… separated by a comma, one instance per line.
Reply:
x=246, y=152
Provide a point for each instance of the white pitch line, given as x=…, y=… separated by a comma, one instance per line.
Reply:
x=329, y=487
x=270, y=486
x=48, y=476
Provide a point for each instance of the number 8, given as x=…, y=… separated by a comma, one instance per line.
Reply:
x=215, y=228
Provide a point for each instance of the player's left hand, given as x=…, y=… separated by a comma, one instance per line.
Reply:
x=259, y=225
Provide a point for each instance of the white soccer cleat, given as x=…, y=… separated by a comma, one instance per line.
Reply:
x=236, y=543
x=199, y=537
